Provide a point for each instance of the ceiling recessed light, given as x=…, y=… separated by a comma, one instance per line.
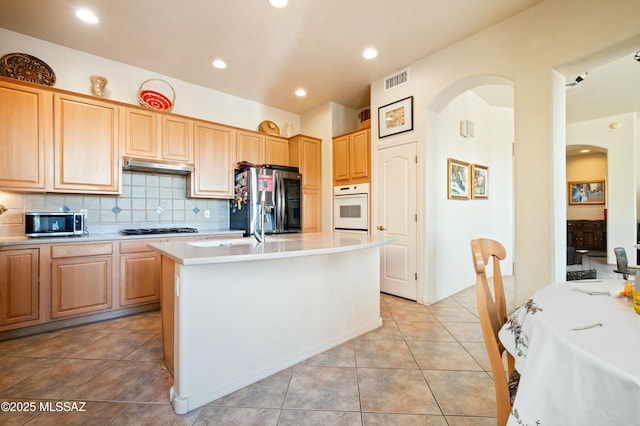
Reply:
x=370, y=53
x=584, y=151
x=301, y=92
x=278, y=3
x=87, y=16
x=220, y=64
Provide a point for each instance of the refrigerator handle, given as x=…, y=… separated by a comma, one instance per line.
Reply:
x=280, y=203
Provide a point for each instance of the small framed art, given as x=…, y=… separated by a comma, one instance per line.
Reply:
x=457, y=180
x=586, y=192
x=396, y=117
x=480, y=176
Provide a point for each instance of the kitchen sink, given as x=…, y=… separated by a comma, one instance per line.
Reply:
x=223, y=243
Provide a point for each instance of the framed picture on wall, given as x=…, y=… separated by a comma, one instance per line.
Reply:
x=396, y=117
x=586, y=192
x=457, y=180
x=479, y=176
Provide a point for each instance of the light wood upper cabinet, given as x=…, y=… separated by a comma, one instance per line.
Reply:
x=25, y=135
x=305, y=152
x=341, y=160
x=351, y=157
x=214, y=161
x=86, y=145
x=157, y=136
x=140, y=133
x=249, y=147
x=359, y=155
x=177, y=142
x=276, y=150
x=258, y=148
x=19, y=287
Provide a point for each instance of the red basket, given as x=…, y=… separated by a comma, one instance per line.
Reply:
x=156, y=94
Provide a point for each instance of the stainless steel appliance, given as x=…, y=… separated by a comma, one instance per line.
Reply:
x=351, y=208
x=53, y=224
x=156, y=166
x=279, y=188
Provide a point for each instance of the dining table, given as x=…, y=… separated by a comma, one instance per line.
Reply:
x=577, y=348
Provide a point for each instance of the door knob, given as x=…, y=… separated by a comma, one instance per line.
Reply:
x=380, y=228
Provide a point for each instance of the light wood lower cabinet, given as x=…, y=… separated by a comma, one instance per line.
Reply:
x=19, y=300
x=139, y=273
x=81, y=279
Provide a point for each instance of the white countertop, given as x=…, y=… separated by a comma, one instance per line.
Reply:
x=22, y=240
x=275, y=246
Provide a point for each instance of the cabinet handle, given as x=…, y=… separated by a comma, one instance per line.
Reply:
x=380, y=228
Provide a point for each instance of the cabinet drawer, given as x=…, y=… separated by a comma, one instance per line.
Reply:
x=76, y=250
x=137, y=246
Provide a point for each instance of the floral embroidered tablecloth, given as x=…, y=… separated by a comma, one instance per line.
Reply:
x=586, y=376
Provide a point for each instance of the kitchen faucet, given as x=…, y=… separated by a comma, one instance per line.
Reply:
x=260, y=237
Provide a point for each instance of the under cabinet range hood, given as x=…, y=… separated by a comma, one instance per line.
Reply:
x=155, y=166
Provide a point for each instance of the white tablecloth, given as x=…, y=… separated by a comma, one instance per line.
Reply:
x=575, y=377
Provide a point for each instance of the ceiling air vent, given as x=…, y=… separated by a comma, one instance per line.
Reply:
x=396, y=80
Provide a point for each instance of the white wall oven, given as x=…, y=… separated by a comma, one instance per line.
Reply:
x=351, y=208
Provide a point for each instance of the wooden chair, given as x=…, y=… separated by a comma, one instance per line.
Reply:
x=493, y=315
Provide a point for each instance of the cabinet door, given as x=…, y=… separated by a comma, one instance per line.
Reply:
x=18, y=285
x=139, y=278
x=311, y=211
x=311, y=154
x=25, y=120
x=177, y=142
x=86, y=152
x=341, y=160
x=359, y=155
x=141, y=133
x=213, y=176
x=306, y=153
x=80, y=285
x=249, y=147
x=276, y=151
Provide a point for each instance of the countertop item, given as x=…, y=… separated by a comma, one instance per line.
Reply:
x=276, y=246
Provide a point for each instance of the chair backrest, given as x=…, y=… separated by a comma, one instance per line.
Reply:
x=493, y=315
x=622, y=264
x=621, y=258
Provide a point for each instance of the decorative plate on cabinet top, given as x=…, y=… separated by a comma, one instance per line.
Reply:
x=27, y=68
x=269, y=127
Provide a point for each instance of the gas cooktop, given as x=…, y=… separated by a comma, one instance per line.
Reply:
x=153, y=231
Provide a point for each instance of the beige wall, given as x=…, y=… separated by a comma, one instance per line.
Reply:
x=526, y=50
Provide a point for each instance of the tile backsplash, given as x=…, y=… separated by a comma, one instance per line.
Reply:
x=154, y=200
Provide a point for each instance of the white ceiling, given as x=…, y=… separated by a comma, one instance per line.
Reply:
x=313, y=44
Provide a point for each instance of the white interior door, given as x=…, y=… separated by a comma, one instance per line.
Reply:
x=397, y=218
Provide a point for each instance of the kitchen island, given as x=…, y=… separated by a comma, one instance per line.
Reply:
x=235, y=312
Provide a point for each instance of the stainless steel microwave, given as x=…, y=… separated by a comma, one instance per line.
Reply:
x=53, y=224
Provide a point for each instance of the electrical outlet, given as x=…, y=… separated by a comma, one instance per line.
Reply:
x=84, y=212
x=207, y=214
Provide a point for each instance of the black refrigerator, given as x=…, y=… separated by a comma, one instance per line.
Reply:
x=279, y=188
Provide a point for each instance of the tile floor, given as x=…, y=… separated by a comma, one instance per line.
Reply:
x=425, y=366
